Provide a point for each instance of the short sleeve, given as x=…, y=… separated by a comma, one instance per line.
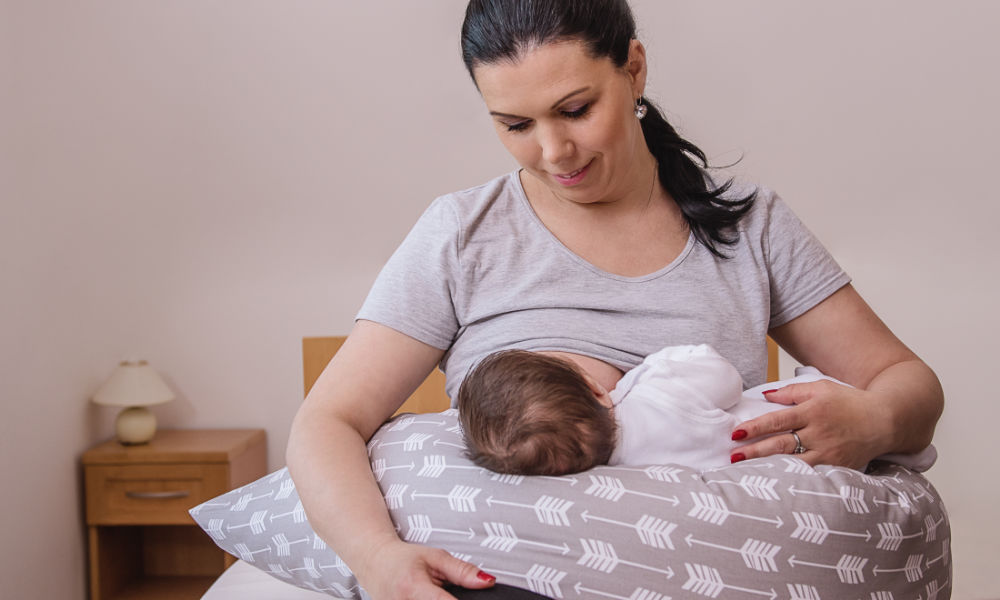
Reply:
x=802, y=272
x=413, y=292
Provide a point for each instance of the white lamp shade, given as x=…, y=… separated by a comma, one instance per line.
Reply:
x=133, y=384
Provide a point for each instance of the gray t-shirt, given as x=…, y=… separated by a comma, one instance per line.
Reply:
x=479, y=272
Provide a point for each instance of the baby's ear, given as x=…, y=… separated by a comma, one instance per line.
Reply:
x=594, y=385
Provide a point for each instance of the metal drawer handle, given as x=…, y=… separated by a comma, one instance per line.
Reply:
x=158, y=495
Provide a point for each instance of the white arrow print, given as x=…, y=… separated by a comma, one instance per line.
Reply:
x=712, y=508
x=913, y=570
x=756, y=486
x=318, y=543
x=549, y=510
x=507, y=478
x=612, y=488
x=942, y=557
x=278, y=571
x=757, y=555
x=414, y=442
x=285, y=489
x=664, y=473
x=420, y=529
x=246, y=554
x=601, y=556
x=215, y=529
x=797, y=465
x=903, y=501
x=850, y=569
x=637, y=594
x=340, y=565
x=283, y=546
x=562, y=479
x=256, y=523
x=541, y=579
x=802, y=591
x=405, y=422
x=932, y=589
x=852, y=497
x=461, y=498
x=246, y=499
x=892, y=536
x=812, y=527
x=379, y=468
x=394, y=496
x=309, y=566
x=932, y=526
x=335, y=587
x=501, y=536
x=706, y=580
x=651, y=530
x=298, y=514
x=444, y=443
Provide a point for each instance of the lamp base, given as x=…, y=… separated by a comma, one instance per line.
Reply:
x=135, y=425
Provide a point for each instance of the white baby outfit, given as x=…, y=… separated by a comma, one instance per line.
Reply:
x=682, y=404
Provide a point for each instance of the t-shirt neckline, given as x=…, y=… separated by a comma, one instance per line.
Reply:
x=523, y=201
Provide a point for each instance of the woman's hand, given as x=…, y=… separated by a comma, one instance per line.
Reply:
x=396, y=570
x=892, y=408
x=837, y=425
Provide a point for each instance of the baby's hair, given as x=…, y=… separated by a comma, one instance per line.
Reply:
x=533, y=414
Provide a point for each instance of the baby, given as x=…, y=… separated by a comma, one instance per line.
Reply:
x=535, y=413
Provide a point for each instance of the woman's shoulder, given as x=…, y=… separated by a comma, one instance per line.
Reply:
x=500, y=191
x=768, y=207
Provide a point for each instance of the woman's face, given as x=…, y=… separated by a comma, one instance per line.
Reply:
x=569, y=119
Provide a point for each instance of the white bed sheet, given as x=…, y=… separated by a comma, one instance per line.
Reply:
x=243, y=581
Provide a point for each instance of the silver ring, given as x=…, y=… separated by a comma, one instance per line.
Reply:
x=799, y=448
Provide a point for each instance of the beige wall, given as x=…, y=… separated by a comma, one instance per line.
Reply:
x=202, y=184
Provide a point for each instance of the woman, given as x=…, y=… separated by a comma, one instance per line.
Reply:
x=608, y=243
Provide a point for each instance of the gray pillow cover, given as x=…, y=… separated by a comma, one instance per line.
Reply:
x=768, y=528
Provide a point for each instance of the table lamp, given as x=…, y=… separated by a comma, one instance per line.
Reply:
x=134, y=385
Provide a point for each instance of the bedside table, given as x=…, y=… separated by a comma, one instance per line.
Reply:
x=142, y=542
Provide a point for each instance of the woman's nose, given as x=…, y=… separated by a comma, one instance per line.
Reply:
x=556, y=145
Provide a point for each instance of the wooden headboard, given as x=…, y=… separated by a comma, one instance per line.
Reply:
x=430, y=396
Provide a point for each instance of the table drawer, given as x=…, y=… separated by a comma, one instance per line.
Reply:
x=151, y=494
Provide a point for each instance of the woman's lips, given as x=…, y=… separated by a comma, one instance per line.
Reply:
x=574, y=177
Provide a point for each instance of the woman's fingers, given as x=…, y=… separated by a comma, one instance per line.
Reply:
x=446, y=567
x=402, y=571
x=795, y=393
x=782, y=443
x=772, y=422
x=834, y=423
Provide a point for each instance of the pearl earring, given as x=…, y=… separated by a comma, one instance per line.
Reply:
x=640, y=108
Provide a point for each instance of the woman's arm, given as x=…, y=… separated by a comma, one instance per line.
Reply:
x=375, y=370
x=895, y=407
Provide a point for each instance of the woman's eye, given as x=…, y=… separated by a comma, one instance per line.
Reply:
x=519, y=126
x=576, y=113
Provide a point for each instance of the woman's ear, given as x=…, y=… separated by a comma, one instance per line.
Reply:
x=636, y=67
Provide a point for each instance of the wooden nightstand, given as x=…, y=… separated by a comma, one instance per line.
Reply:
x=142, y=541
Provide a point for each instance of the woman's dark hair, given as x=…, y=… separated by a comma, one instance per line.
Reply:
x=503, y=30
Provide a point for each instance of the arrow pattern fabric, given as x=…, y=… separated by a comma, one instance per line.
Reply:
x=771, y=528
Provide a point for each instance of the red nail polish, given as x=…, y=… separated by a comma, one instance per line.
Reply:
x=735, y=458
x=739, y=434
x=483, y=576
x=769, y=392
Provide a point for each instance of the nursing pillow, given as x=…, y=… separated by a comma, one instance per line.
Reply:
x=771, y=528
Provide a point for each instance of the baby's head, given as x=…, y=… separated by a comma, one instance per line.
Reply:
x=532, y=414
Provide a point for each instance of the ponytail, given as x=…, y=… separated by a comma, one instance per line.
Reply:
x=681, y=167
